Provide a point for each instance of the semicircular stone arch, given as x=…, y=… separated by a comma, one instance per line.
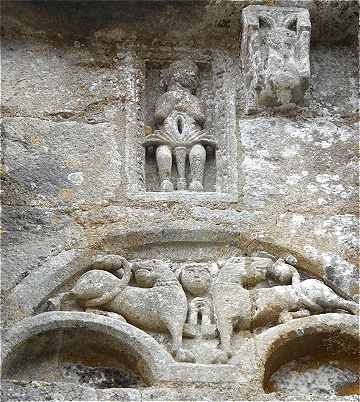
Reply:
x=142, y=354
x=331, y=334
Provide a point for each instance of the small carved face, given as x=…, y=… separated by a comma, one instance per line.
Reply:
x=184, y=72
x=196, y=280
x=147, y=272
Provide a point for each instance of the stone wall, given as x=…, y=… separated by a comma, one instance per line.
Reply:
x=76, y=107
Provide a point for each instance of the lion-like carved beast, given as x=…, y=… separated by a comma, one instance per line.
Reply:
x=159, y=305
x=247, y=309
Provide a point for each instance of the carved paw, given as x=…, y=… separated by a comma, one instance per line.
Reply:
x=195, y=185
x=53, y=304
x=181, y=184
x=285, y=316
x=220, y=357
x=166, y=185
x=184, y=356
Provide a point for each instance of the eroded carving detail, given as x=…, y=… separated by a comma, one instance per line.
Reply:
x=206, y=303
x=158, y=305
x=196, y=280
x=239, y=303
x=275, y=56
x=180, y=136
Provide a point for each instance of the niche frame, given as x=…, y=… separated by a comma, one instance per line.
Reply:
x=224, y=123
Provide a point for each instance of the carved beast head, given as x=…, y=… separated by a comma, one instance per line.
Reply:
x=275, y=56
x=148, y=272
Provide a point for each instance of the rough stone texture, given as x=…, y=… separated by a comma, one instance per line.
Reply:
x=275, y=56
x=22, y=391
x=71, y=84
x=42, y=391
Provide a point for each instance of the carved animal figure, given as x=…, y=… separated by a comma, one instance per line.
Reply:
x=246, y=309
x=275, y=56
x=283, y=303
x=160, y=305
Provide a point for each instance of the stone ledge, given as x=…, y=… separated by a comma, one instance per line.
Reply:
x=184, y=196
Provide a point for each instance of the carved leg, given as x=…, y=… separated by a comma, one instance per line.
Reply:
x=55, y=303
x=164, y=163
x=338, y=303
x=180, y=156
x=197, y=157
x=225, y=328
x=178, y=352
x=301, y=313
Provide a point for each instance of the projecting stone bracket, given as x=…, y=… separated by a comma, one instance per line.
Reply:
x=275, y=56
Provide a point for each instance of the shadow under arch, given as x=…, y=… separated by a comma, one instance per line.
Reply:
x=332, y=334
x=141, y=352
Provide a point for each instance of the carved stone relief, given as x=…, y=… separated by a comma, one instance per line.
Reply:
x=275, y=56
x=184, y=132
x=202, y=307
x=181, y=135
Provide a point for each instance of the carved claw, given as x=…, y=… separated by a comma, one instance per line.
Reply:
x=53, y=304
x=285, y=316
x=116, y=316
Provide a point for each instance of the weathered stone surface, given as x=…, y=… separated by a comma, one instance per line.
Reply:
x=62, y=168
x=20, y=391
x=43, y=391
x=80, y=83
x=62, y=87
x=275, y=56
x=119, y=394
x=310, y=169
x=47, y=231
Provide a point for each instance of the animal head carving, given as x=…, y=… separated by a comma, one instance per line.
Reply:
x=275, y=56
x=96, y=287
x=148, y=272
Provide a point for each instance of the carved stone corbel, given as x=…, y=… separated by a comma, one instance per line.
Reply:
x=275, y=56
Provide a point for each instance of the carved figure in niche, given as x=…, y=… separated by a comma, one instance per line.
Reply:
x=158, y=305
x=180, y=135
x=275, y=56
x=237, y=306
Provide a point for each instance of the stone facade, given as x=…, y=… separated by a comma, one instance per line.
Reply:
x=180, y=200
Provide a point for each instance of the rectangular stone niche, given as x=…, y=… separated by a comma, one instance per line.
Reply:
x=216, y=91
